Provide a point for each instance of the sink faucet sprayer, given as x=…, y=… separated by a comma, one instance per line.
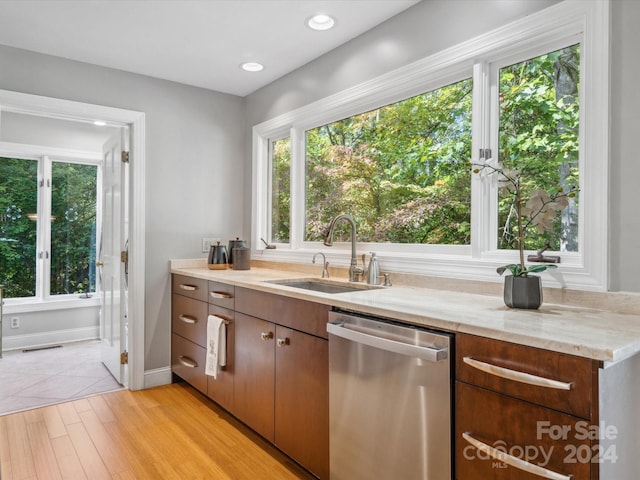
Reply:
x=325, y=264
x=354, y=270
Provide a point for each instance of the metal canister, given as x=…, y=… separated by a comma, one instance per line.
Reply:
x=242, y=258
x=237, y=243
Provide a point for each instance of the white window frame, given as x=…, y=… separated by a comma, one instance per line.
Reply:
x=563, y=24
x=45, y=156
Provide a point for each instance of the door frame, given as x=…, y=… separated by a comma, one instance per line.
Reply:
x=71, y=110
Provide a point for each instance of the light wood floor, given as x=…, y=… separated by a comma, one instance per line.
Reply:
x=169, y=432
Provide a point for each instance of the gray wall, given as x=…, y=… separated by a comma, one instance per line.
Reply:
x=433, y=25
x=194, y=166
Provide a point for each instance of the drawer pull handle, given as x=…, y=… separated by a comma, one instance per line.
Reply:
x=188, y=319
x=187, y=362
x=515, y=462
x=190, y=288
x=266, y=335
x=516, y=376
x=220, y=295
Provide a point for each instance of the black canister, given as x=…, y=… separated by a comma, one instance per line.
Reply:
x=218, y=259
x=237, y=243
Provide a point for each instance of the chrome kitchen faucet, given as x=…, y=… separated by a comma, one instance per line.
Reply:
x=354, y=270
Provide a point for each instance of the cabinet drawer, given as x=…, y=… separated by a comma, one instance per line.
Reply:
x=526, y=431
x=188, y=362
x=190, y=287
x=189, y=318
x=300, y=315
x=221, y=294
x=556, y=380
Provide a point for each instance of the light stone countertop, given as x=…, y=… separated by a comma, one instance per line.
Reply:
x=596, y=334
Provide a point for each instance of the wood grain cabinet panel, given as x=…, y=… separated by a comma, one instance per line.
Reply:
x=254, y=388
x=189, y=318
x=526, y=431
x=298, y=314
x=190, y=287
x=302, y=399
x=220, y=389
x=188, y=362
x=221, y=294
x=562, y=370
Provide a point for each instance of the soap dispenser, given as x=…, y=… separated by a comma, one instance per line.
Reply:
x=373, y=272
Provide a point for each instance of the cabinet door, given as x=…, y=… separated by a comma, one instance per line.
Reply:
x=254, y=373
x=220, y=389
x=302, y=399
x=538, y=436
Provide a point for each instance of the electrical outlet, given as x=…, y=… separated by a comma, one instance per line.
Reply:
x=207, y=242
x=15, y=322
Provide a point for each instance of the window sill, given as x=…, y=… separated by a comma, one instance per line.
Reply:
x=12, y=306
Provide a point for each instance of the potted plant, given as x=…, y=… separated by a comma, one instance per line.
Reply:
x=521, y=289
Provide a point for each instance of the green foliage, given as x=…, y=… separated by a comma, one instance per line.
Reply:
x=399, y=170
x=402, y=170
x=517, y=270
x=73, y=217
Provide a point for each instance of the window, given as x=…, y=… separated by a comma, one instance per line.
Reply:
x=394, y=152
x=538, y=132
x=280, y=154
x=47, y=227
x=401, y=170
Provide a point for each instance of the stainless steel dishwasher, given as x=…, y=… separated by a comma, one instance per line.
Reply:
x=389, y=400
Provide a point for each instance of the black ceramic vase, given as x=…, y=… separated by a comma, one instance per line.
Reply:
x=523, y=292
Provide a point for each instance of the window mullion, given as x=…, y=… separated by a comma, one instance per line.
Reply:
x=44, y=218
x=483, y=197
x=297, y=187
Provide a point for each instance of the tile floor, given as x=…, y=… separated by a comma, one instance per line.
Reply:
x=45, y=377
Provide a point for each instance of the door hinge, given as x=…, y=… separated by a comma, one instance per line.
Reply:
x=124, y=358
x=124, y=256
x=125, y=157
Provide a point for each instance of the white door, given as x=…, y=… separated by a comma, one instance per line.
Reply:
x=113, y=317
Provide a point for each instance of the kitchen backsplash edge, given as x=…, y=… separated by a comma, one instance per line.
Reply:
x=618, y=302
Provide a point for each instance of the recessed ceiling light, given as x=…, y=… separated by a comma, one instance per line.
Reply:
x=320, y=22
x=252, y=66
x=99, y=123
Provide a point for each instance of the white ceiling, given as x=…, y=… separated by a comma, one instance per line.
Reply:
x=196, y=42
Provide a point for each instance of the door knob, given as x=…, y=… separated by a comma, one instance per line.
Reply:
x=99, y=264
x=282, y=342
x=266, y=335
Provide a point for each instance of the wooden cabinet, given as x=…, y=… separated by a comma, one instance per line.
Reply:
x=301, y=398
x=254, y=387
x=276, y=379
x=192, y=301
x=282, y=375
x=533, y=405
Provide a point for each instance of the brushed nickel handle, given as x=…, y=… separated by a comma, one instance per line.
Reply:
x=190, y=288
x=281, y=342
x=220, y=295
x=266, y=335
x=187, y=362
x=516, y=376
x=515, y=462
x=188, y=319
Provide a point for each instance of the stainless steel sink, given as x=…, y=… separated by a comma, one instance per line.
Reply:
x=324, y=286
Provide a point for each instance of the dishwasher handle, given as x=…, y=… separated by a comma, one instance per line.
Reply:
x=425, y=353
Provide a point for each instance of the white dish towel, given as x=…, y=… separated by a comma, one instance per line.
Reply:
x=216, y=345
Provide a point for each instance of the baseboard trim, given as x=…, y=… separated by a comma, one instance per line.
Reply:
x=157, y=377
x=45, y=339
